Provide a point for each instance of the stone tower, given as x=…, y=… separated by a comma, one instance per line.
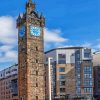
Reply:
x=31, y=80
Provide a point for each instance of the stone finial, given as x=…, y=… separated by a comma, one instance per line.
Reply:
x=19, y=17
x=41, y=16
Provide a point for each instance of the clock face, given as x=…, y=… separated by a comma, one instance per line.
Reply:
x=35, y=31
x=22, y=31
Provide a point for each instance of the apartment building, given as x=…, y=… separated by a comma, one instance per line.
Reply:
x=96, y=64
x=71, y=73
x=8, y=83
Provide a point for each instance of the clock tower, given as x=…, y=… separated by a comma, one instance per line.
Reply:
x=31, y=71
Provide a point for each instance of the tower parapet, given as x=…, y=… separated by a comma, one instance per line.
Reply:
x=31, y=14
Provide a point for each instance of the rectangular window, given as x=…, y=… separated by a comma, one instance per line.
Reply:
x=62, y=83
x=78, y=76
x=62, y=76
x=36, y=72
x=78, y=83
x=88, y=83
x=61, y=58
x=88, y=69
x=78, y=55
x=62, y=69
x=78, y=69
x=36, y=61
x=87, y=76
x=36, y=97
x=88, y=90
x=36, y=84
x=62, y=89
x=87, y=55
x=78, y=89
x=36, y=48
x=61, y=62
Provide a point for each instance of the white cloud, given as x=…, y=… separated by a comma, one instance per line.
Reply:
x=87, y=44
x=5, y=48
x=9, y=56
x=8, y=31
x=94, y=46
x=98, y=46
x=53, y=36
x=8, y=39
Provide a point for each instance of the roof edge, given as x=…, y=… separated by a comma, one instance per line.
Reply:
x=77, y=47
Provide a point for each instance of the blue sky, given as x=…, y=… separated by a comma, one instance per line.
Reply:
x=68, y=23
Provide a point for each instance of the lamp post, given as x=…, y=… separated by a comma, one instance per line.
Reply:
x=49, y=76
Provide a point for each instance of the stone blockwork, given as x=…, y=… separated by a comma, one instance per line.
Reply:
x=70, y=79
x=31, y=56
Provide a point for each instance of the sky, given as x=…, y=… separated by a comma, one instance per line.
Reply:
x=68, y=23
